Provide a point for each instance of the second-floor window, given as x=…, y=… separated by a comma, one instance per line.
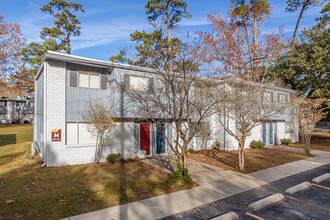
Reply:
x=282, y=98
x=89, y=80
x=139, y=83
x=268, y=97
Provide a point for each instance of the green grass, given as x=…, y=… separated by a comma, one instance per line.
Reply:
x=12, y=134
x=31, y=192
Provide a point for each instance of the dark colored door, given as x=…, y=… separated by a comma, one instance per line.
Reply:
x=271, y=134
x=145, y=137
x=264, y=133
x=160, y=140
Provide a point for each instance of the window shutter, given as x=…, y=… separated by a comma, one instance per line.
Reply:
x=126, y=82
x=151, y=84
x=104, y=81
x=73, y=78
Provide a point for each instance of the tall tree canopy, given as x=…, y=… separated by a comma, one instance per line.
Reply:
x=294, y=5
x=66, y=22
x=238, y=50
x=12, y=69
x=32, y=54
x=56, y=38
x=171, y=13
x=306, y=67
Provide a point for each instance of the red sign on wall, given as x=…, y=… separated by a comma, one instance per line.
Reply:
x=56, y=135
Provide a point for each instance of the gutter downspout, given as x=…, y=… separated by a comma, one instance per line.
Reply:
x=45, y=116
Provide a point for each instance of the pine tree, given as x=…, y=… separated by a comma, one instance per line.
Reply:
x=66, y=22
x=171, y=13
x=306, y=67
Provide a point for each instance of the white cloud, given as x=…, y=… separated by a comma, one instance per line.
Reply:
x=96, y=34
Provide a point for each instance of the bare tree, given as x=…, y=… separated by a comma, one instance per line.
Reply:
x=101, y=124
x=248, y=105
x=171, y=96
x=309, y=112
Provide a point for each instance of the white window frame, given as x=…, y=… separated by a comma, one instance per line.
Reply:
x=265, y=99
x=141, y=78
x=89, y=79
x=288, y=131
x=285, y=98
x=77, y=141
x=201, y=130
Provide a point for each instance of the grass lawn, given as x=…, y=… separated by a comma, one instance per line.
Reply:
x=255, y=159
x=319, y=141
x=31, y=192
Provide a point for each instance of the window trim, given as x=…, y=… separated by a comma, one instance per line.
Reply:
x=138, y=76
x=199, y=133
x=77, y=141
x=285, y=128
x=89, y=79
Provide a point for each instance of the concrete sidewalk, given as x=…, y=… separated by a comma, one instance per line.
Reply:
x=222, y=184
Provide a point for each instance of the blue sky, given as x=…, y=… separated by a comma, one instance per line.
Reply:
x=107, y=24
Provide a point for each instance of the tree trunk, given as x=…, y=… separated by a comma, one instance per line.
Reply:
x=254, y=47
x=96, y=147
x=241, y=159
x=307, y=140
x=169, y=49
x=297, y=25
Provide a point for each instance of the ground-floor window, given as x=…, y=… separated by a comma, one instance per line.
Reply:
x=289, y=127
x=203, y=129
x=77, y=133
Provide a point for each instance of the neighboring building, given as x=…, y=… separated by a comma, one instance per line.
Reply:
x=16, y=111
x=64, y=83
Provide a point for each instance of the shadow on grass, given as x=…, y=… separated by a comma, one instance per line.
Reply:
x=6, y=139
x=31, y=192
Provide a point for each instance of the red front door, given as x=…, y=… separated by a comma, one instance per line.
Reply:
x=145, y=137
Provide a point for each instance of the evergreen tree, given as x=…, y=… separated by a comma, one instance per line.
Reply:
x=32, y=53
x=171, y=13
x=66, y=22
x=306, y=67
x=294, y=5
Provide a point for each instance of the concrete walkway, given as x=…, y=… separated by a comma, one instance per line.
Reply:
x=215, y=184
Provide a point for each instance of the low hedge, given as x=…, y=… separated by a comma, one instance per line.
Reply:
x=112, y=158
x=256, y=144
x=286, y=141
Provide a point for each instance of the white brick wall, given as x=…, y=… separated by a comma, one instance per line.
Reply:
x=58, y=154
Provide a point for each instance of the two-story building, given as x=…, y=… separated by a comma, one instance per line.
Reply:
x=65, y=83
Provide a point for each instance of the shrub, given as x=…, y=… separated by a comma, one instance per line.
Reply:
x=217, y=144
x=112, y=158
x=178, y=175
x=26, y=122
x=286, y=141
x=190, y=150
x=256, y=144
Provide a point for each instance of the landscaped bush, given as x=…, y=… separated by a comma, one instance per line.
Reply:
x=178, y=176
x=26, y=122
x=217, y=145
x=256, y=144
x=286, y=141
x=190, y=150
x=112, y=158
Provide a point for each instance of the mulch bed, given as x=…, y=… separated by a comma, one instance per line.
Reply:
x=255, y=159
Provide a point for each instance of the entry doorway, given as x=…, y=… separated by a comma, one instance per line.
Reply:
x=160, y=139
x=145, y=138
x=268, y=133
